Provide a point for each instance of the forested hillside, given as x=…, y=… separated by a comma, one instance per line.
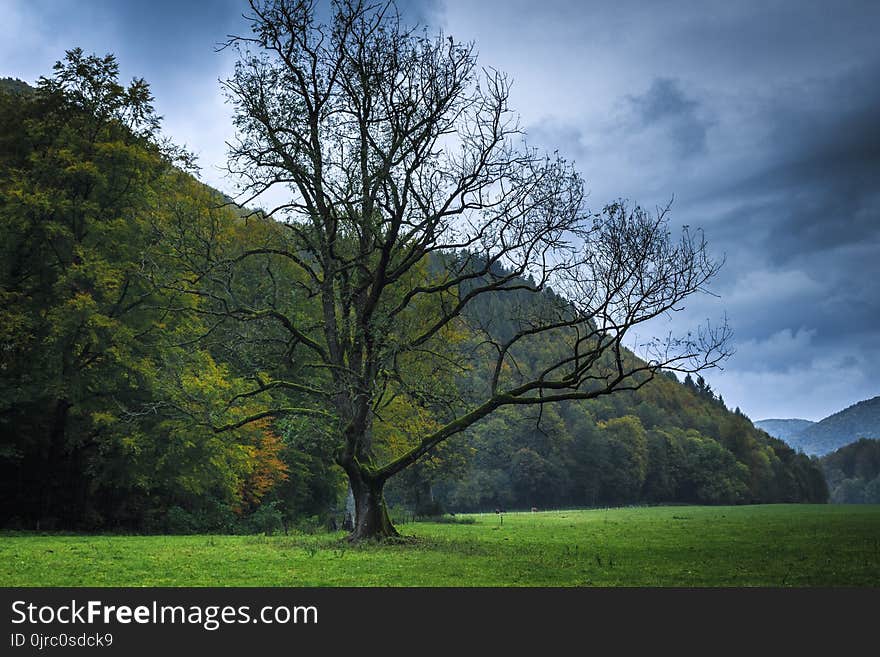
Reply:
x=670, y=441
x=128, y=399
x=105, y=382
x=853, y=473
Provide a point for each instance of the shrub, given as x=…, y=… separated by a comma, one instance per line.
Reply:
x=267, y=519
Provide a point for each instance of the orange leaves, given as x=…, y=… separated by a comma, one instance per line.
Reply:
x=267, y=468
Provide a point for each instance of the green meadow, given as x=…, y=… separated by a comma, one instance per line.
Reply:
x=773, y=545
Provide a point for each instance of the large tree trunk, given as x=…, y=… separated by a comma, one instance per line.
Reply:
x=371, y=520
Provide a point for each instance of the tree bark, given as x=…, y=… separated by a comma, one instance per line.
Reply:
x=371, y=520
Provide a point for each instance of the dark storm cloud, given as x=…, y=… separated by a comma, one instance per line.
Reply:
x=760, y=118
x=666, y=106
x=808, y=201
x=821, y=167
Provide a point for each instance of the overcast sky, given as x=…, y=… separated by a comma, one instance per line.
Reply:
x=761, y=119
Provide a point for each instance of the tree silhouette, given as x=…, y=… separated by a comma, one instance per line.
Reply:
x=410, y=193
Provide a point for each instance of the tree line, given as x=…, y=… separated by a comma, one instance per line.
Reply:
x=853, y=472
x=670, y=442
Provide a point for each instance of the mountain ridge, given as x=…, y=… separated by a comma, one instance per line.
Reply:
x=784, y=428
x=859, y=420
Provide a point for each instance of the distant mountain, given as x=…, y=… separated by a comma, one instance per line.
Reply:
x=861, y=420
x=787, y=430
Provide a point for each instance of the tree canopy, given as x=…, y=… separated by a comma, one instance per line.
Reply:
x=93, y=417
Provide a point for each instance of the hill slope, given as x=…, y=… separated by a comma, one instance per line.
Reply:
x=787, y=430
x=861, y=420
x=15, y=86
x=670, y=441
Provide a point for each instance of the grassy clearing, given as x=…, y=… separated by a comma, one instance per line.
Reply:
x=778, y=545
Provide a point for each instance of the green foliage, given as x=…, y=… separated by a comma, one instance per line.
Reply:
x=853, y=473
x=14, y=86
x=77, y=184
x=713, y=475
x=667, y=442
x=107, y=402
x=267, y=519
x=627, y=459
x=315, y=485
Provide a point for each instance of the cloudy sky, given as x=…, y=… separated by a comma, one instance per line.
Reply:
x=761, y=119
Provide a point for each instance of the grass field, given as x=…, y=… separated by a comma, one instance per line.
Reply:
x=780, y=545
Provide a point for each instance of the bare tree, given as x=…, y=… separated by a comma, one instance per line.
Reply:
x=410, y=194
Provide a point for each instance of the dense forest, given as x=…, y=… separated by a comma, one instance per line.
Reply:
x=105, y=385
x=853, y=473
x=668, y=442
x=126, y=397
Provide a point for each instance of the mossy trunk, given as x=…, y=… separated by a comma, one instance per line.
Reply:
x=371, y=520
